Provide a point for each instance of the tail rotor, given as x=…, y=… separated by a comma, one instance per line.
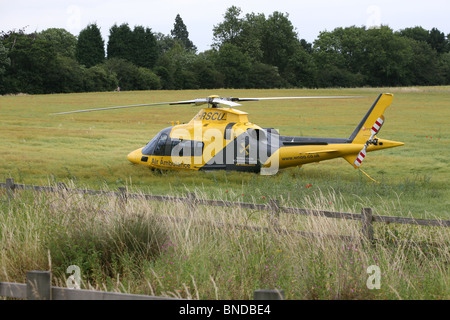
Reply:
x=375, y=129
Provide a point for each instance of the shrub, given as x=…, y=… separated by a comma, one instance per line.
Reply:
x=107, y=246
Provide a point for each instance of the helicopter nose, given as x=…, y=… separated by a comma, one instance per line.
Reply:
x=135, y=156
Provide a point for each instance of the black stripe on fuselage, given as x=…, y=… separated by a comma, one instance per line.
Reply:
x=287, y=141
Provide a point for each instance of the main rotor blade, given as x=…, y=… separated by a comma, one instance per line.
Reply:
x=217, y=100
x=131, y=106
x=287, y=98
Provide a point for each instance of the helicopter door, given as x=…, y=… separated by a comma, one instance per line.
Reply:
x=247, y=148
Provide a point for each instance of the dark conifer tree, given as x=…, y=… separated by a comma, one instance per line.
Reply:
x=138, y=46
x=90, y=49
x=145, y=48
x=120, y=42
x=180, y=33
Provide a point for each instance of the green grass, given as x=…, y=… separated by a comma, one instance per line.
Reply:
x=163, y=249
x=90, y=149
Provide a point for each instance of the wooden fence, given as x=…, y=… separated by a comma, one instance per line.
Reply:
x=273, y=207
x=38, y=284
x=38, y=287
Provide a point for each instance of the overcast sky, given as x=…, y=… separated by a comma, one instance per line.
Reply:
x=308, y=17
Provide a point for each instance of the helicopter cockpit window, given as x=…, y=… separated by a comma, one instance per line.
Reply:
x=148, y=149
x=161, y=146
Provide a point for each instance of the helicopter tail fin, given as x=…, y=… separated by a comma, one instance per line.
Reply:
x=373, y=120
x=370, y=125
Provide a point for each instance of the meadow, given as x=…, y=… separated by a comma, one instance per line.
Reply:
x=197, y=261
x=91, y=148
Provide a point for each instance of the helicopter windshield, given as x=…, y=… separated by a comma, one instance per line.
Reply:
x=148, y=149
x=156, y=146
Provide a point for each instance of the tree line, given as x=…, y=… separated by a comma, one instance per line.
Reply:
x=248, y=51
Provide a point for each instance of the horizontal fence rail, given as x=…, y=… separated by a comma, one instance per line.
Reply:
x=38, y=287
x=273, y=207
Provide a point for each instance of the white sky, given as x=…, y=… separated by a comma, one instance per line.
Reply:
x=308, y=17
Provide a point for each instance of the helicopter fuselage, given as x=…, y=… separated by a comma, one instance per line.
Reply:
x=224, y=139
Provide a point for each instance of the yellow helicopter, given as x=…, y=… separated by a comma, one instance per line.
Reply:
x=220, y=137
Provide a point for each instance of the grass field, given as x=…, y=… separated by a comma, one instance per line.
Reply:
x=91, y=148
x=141, y=250
x=167, y=249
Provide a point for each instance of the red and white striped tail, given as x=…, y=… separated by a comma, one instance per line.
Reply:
x=359, y=159
x=376, y=127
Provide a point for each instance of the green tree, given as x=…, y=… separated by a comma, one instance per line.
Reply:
x=4, y=59
x=145, y=48
x=234, y=65
x=180, y=33
x=339, y=57
x=5, y=62
x=125, y=72
x=97, y=79
x=301, y=69
x=342, y=47
x=147, y=80
x=444, y=67
x=417, y=33
x=268, y=43
x=63, y=42
x=120, y=43
x=33, y=64
x=138, y=46
x=131, y=77
x=386, y=58
x=280, y=41
x=90, y=49
x=264, y=76
x=165, y=43
x=165, y=75
x=175, y=68
x=230, y=29
x=424, y=65
x=68, y=76
x=251, y=36
x=205, y=71
x=438, y=41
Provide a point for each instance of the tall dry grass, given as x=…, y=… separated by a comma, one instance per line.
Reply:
x=202, y=252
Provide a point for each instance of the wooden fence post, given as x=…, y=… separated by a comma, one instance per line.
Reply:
x=274, y=213
x=191, y=204
x=268, y=295
x=366, y=223
x=62, y=188
x=123, y=198
x=10, y=186
x=39, y=285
